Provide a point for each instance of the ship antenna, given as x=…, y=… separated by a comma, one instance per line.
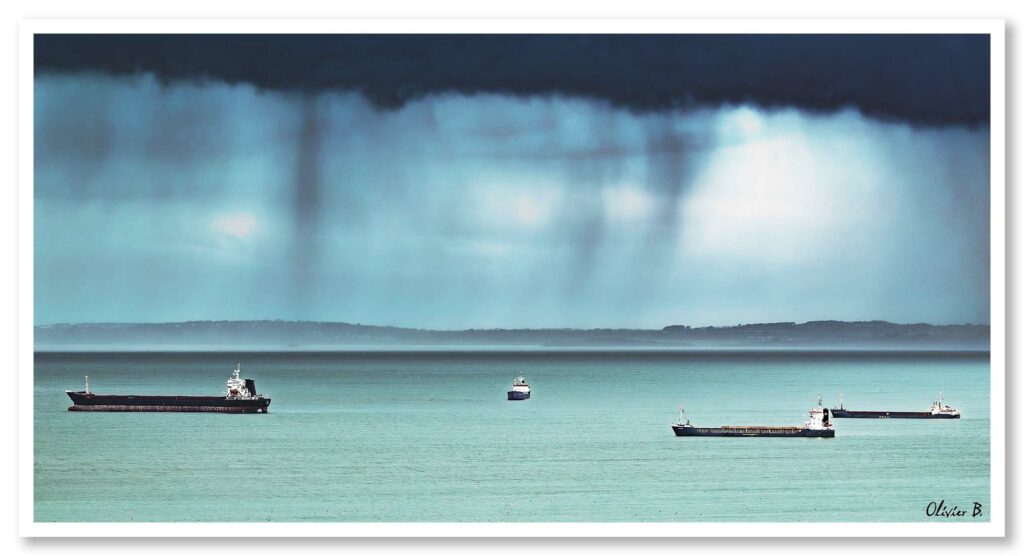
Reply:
x=840, y=400
x=819, y=400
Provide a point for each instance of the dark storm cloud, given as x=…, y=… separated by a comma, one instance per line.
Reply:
x=922, y=79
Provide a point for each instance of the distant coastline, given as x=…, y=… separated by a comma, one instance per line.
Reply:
x=313, y=335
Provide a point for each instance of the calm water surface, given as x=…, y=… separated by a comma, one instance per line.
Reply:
x=429, y=436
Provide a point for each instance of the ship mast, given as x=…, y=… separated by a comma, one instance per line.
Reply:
x=86, y=384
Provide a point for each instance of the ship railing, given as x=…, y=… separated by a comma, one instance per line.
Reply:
x=755, y=427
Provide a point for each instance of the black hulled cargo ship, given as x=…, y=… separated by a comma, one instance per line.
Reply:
x=939, y=410
x=241, y=397
x=817, y=426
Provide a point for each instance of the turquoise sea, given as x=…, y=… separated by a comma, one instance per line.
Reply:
x=429, y=436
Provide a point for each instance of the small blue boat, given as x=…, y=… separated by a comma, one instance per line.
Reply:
x=520, y=389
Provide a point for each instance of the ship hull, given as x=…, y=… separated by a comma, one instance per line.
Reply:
x=177, y=404
x=516, y=396
x=847, y=414
x=749, y=432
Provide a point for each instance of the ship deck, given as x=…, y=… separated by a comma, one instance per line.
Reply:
x=89, y=401
x=753, y=431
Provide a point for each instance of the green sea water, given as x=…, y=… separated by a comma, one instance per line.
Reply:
x=429, y=436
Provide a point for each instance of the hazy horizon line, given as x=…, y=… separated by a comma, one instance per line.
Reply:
x=540, y=328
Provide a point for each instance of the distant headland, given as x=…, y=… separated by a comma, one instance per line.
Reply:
x=312, y=335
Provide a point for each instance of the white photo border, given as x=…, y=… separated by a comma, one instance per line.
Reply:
x=995, y=28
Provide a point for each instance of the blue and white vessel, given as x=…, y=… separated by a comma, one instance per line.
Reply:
x=520, y=389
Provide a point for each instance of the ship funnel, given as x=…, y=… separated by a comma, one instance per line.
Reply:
x=250, y=385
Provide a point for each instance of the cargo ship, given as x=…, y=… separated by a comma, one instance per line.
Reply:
x=520, y=389
x=241, y=397
x=939, y=410
x=817, y=426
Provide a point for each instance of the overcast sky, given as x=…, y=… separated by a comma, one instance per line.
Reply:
x=166, y=197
